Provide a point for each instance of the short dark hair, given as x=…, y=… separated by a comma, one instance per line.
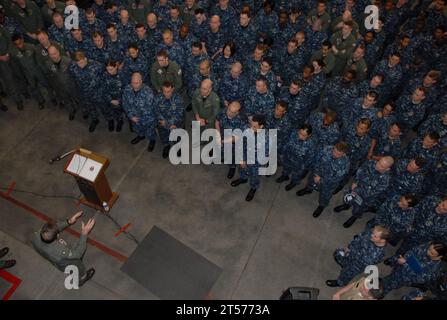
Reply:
x=199, y=11
x=412, y=199
x=49, y=232
x=16, y=36
x=259, y=118
x=232, y=46
x=420, y=161
x=110, y=26
x=366, y=121
x=342, y=146
x=139, y=25
x=433, y=135
x=327, y=43
x=306, y=127
x=268, y=60
x=168, y=84
x=132, y=45
x=283, y=104
x=197, y=44
x=373, y=94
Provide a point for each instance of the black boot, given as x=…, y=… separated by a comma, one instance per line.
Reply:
x=3, y=107
x=89, y=274
x=318, y=211
x=93, y=125
x=61, y=105
x=111, y=125
x=85, y=115
x=137, y=139
x=342, y=207
x=349, y=222
x=250, y=195
x=282, y=178
x=166, y=152
x=231, y=173
x=237, y=182
x=119, y=126
x=151, y=146
x=290, y=186
x=303, y=192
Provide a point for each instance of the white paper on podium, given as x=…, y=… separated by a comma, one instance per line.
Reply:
x=76, y=164
x=90, y=170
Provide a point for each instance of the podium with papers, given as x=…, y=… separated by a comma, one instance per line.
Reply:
x=88, y=169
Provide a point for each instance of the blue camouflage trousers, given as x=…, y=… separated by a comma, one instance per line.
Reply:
x=251, y=172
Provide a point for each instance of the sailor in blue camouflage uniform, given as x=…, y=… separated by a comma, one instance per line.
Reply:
x=299, y=105
x=297, y=156
x=57, y=31
x=259, y=100
x=365, y=250
x=426, y=147
x=396, y=214
x=78, y=42
x=435, y=123
x=230, y=118
x=174, y=50
x=278, y=119
x=154, y=28
x=340, y=91
x=265, y=70
x=223, y=60
x=430, y=83
x=362, y=108
x=392, y=71
x=87, y=75
x=215, y=37
x=91, y=24
x=226, y=13
x=325, y=128
x=290, y=61
x=435, y=179
x=384, y=119
x=111, y=90
x=368, y=189
x=199, y=24
x=170, y=112
x=410, y=109
x=266, y=20
x=116, y=43
x=111, y=14
x=100, y=51
x=138, y=103
x=203, y=72
x=374, y=84
x=407, y=176
x=134, y=62
x=430, y=223
x=234, y=85
x=126, y=27
x=387, y=142
x=285, y=31
x=185, y=39
x=316, y=85
x=175, y=21
x=245, y=33
x=330, y=167
x=419, y=266
x=161, y=9
x=144, y=42
x=359, y=141
x=193, y=61
x=250, y=171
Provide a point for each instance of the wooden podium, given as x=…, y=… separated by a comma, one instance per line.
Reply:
x=88, y=169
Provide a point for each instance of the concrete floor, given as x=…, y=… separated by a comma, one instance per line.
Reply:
x=263, y=247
